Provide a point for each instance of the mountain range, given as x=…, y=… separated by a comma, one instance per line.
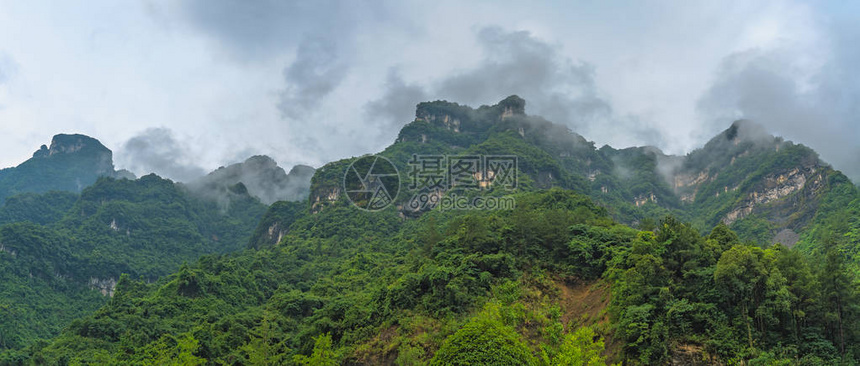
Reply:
x=744, y=248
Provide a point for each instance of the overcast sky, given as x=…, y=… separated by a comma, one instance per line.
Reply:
x=182, y=87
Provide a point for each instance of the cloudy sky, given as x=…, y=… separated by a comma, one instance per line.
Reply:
x=182, y=87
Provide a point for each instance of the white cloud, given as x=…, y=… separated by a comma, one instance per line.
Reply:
x=217, y=71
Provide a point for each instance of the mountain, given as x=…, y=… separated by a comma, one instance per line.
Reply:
x=62, y=254
x=620, y=255
x=262, y=177
x=767, y=189
x=71, y=163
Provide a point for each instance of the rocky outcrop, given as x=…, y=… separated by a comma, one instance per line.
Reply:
x=774, y=188
x=643, y=199
x=320, y=199
x=11, y=252
x=106, y=286
x=275, y=233
x=70, y=163
x=686, y=185
x=513, y=106
x=691, y=355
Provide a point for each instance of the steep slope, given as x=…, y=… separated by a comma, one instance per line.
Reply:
x=71, y=163
x=346, y=286
x=766, y=188
x=58, y=266
x=325, y=282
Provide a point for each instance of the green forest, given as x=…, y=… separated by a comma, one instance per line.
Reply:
x=348, y=286
x=743, y=252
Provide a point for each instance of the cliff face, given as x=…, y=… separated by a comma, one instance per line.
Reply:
x=741, y=175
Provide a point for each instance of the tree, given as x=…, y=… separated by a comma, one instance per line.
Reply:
x=263, y=347
x=838, y=293
x=580, y=349
x=740, y=275
x=322, y=355
x=181, y=354
x=484, y=341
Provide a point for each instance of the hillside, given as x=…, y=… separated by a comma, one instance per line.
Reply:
x=71, y=163
x=608, y=255
x=362, y=287
x=61, y=254
x=767, y=189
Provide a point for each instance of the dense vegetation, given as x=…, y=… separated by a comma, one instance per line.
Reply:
x=61, y=253
x=610, y=255
x=347, y=286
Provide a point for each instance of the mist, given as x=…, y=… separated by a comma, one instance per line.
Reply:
x=156, y=150
x=262, y=178
x=309, y=83
x=822, y=112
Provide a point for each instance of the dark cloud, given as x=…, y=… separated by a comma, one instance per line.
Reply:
x=156, y=150
x=516, y=62
x=819, y=110
x=397, y=104
x=252, y=30
x=316, y=72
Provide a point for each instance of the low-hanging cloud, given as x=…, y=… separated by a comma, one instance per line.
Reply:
x=156, y=150
x=397, y=104
x=818, y=108
x=316, y=72
x=516, y=62
x=261, y=176
x=324, y=64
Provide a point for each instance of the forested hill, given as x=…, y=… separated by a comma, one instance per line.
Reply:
x=71, y=163
x=767, y=189
x=61, y=254
x=70, y=225
x=608, y=255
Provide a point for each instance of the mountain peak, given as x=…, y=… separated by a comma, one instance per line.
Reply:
x=69, y=144
x=72, y=162
x=260, y=176
x=513, y=105
x=746, y=130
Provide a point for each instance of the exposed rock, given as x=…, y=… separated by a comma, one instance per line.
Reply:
x=323, y=198
x=106, y=286
x=775, y=188
x=641, y=200
x=786, y=237
x=691, y=355
x=513, y=106
x=275, y=230
x=10, y=251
